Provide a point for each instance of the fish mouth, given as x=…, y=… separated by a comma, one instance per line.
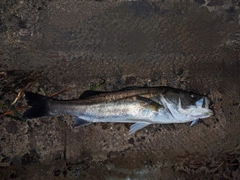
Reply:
x=204, y=115
x=203, y=105
x=211, y=112
x=206, y=104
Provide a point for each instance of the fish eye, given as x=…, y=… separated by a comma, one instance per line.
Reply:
x=193, y=96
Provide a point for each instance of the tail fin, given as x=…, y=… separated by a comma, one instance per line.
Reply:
x=39, y=105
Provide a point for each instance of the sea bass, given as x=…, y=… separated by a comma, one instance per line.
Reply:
x=139, y=105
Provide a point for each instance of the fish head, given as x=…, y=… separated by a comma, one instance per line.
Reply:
x=188, y=104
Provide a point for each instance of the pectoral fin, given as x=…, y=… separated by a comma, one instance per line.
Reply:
x=80, y=122
x=193, y=122
x=137, y=126
x=149, y=104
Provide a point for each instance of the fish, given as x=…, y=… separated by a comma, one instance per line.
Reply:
x=141, y=106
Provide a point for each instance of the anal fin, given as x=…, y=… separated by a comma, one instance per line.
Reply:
x=80, y=122
x=137, y=126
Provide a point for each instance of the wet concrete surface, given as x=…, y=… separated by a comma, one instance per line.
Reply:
x=49, y=46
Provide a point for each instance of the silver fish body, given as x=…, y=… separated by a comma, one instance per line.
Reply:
x=141, y=106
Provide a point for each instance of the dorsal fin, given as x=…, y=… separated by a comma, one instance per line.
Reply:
x=89, y=93
x=129, y=88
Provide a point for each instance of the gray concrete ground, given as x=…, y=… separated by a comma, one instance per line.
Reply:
x=48, y=46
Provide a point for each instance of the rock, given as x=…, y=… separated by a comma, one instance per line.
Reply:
x=11, y=127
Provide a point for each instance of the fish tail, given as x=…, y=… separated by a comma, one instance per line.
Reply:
x=39, y=105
